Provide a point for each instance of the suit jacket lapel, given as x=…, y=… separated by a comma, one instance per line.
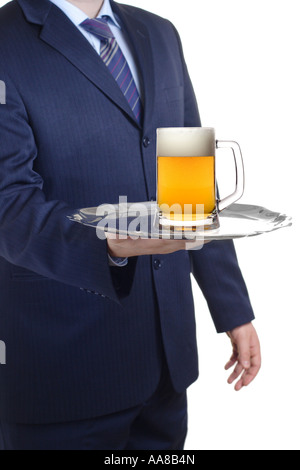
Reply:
x=60, y=33
x=139, y=37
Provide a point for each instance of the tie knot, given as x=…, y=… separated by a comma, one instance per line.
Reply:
x=99, y=27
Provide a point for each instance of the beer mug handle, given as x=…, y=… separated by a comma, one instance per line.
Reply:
x=240, y=174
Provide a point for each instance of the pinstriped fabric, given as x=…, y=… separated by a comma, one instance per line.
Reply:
x=114, y=59
x=73, y=355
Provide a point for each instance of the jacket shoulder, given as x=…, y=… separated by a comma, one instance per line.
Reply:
x=150, y=19
x=15, y=33
x=13, y=27
x=10, y=15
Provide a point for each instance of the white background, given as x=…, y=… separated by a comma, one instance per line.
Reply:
x=243, y=59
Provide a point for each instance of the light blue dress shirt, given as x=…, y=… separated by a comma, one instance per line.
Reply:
x=77, y=16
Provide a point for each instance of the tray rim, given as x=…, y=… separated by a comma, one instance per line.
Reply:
x=286, y=221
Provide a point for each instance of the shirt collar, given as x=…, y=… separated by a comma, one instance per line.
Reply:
x=77, y=16
x=107, y=11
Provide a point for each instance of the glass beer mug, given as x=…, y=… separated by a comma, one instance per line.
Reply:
x=186, y=177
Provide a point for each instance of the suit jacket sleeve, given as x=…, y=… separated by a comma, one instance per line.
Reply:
x=35, y=232
x=216, y=267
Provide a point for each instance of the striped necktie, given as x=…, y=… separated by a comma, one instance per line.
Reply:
x=114, y=59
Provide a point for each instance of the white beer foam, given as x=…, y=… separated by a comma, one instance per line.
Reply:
x=186, y=142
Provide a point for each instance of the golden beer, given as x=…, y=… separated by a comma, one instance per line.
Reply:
x=186, y=179
x=185, y=182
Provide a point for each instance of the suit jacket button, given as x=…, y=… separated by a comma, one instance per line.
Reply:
x=157, y=264
x=146, y=142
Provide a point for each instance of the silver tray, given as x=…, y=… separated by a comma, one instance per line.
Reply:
x=140, y=220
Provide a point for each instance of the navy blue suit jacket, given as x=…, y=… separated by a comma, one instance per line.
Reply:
x=68, y=139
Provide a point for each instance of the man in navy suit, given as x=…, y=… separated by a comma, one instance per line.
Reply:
x=100, y=335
